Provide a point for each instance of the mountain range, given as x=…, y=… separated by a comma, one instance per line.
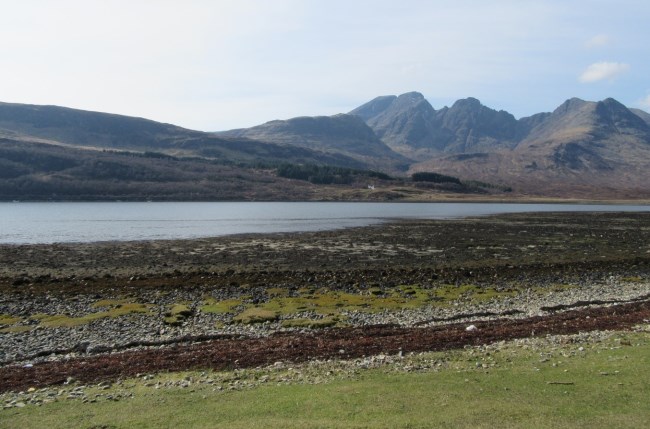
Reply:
x=582, y=149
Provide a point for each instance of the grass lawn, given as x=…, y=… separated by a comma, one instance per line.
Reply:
x=592, y=384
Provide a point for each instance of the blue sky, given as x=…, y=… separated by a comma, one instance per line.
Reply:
x=216, y=65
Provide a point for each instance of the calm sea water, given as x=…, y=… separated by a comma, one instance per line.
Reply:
x=28, y=223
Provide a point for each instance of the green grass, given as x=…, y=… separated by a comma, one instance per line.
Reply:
x=517, y=390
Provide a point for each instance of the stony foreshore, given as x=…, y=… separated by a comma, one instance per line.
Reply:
x=61, y=302
x=137, y=331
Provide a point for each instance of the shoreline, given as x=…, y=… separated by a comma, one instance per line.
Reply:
x=275, y=226
x=408, y=243
x=344, y=343
x=69, y=301
x=432, y=198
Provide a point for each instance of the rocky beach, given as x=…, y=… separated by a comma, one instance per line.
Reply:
x=89, y=312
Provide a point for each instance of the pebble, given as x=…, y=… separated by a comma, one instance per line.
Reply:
x=322, y=371
x=105, y=335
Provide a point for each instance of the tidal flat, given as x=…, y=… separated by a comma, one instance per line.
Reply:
x=103, y=312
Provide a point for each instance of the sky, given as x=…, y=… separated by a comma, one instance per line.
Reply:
x=214, y=65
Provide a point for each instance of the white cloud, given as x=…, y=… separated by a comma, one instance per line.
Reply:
x=597, y=41
x=603, y=70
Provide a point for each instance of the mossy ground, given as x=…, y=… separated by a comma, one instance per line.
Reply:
x=16, y=329
x=327, y=303
x=256, y=315
x=111, y=309
x=177, y=314
x=117, y=310
x=7, y=319
x=211, y=305
x=448, y=294
x=281, y=303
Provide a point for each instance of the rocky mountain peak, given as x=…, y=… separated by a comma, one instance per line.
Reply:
x=403, y=122
x=410, y=97
x=612, y=107
x=477, y=127
x=467, y=103
x=614, y=117
x=571, y=104
x=374, y=107
x=390, y=105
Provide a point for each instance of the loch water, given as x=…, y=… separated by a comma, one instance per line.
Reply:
x=64, y=222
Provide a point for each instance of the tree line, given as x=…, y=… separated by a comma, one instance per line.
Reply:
x=325, y=174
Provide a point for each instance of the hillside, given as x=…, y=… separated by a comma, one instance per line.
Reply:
x=95, y=130
x=582, y=149
x=56, y=153
x=91, y=129
x=343, y=134
x=38, y=171
x=642, y=114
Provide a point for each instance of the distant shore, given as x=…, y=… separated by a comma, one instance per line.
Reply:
x=369, y=196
